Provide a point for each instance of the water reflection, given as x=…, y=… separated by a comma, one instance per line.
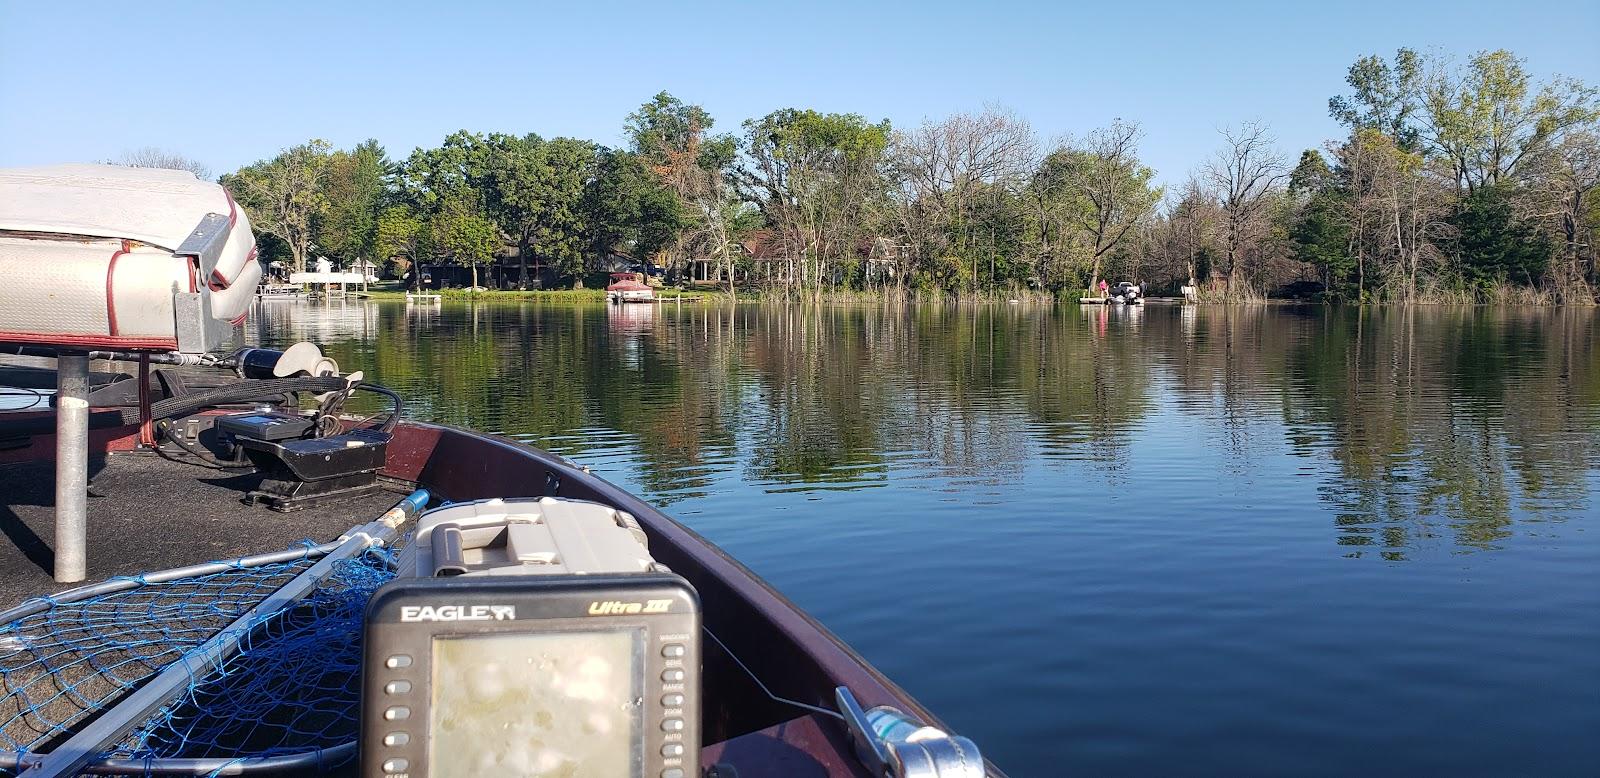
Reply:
x=1121, y=541
x=1441, y=426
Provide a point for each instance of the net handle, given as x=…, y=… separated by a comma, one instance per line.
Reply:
x=12, y=760
x=37, y=605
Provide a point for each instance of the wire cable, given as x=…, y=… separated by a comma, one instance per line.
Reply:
x=399, y=404
x=36, y=396
x=206, y=459
x=764, y=689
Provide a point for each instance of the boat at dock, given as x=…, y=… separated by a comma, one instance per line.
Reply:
x=629, y=288
x=206, y=543
x=280, y=291
x=1124, y=293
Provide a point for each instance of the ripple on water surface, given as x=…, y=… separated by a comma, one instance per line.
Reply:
x=1154, y=541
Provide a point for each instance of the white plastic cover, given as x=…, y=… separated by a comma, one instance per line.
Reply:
x=531, y=536
x=86, y=255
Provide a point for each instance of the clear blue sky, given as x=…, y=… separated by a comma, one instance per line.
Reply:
x=231, y=82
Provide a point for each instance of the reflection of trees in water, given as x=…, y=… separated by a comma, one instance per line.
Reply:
x=1445, y=420
x=1440, y=425
x=845, y=396
x=1085, y=381
x=814, y=413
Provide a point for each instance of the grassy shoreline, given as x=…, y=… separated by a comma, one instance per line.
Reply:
x=569, y=295
x=907, y=297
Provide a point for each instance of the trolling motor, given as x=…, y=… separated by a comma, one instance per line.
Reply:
x=299, y=472
x=305, y=460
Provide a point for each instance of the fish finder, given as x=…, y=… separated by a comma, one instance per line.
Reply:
x=531, y=638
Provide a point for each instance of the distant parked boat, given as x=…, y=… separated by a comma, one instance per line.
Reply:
x=1126, y=293
x=280, y=291
x=629, y=288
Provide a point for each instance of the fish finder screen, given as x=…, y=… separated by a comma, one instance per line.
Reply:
x=553, y=704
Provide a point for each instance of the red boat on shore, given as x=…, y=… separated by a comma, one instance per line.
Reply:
x=629, y=288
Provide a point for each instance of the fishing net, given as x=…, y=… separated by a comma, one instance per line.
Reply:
x=291, y=687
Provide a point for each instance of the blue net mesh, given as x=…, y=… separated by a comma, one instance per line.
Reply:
x=292, y=687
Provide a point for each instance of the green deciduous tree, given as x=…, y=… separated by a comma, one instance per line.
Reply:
x=285, y=195
x=400, y=233
x=627, y=208
x=1386, y=96
x=356, y=188
x=666, y=134
x=462, y=234
x=534, y=190
x=672, y=138
x=1489, y=117
x=1107, y=190
x=818, y=180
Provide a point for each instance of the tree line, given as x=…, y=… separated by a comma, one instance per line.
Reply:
x=1456, y=181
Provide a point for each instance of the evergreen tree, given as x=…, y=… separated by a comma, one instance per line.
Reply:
x=1321, y=231
x=1495, y=245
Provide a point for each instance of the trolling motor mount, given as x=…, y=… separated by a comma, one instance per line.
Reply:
x=306, y=460
x=299, y=472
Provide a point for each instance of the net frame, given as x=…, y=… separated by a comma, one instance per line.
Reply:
x=252, y=600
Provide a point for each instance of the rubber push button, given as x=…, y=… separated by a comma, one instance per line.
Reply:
x=672, y=650
x=396, y=739
x=395, y=766
x=672, y=700
x=673, y=675
x=672, y=725
x=672, y=749
x=672, y=772
x=397, y=687
x=397, y=713
x=397, y=661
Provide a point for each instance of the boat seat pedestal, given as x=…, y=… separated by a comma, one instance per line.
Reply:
x=72, y=466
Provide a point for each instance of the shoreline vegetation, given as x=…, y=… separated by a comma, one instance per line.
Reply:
x=394, y=291
x=1458, y=181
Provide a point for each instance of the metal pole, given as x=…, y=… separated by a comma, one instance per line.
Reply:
x=72, y=466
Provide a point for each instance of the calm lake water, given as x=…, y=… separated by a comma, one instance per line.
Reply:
x=1104, y=542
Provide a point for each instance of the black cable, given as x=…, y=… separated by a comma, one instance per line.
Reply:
x=328, y=422
x=241, y=391
x=206, y=460
x=254, y=389
x=38, y=396
x=399, y=404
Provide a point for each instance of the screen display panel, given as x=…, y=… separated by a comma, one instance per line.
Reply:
x=553, y=705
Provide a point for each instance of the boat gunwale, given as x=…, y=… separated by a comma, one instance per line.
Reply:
x=499, y=469
x=833, y=659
